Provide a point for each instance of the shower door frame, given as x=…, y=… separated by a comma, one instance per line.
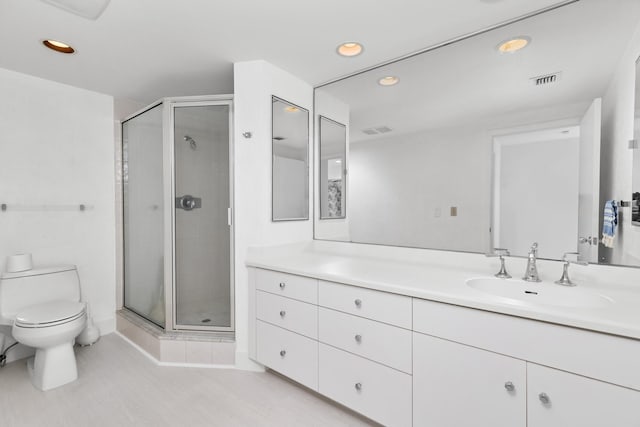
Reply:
x=171, y=282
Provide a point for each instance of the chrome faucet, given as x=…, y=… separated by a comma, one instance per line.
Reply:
x=564, y=280
x=531, y=274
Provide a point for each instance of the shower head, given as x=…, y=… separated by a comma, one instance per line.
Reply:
x=191, y=141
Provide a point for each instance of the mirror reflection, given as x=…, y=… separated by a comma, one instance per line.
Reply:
x=290, y=160
x=498, y=140
x=333, y=165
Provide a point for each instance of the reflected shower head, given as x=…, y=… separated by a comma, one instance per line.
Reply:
x=191, y=141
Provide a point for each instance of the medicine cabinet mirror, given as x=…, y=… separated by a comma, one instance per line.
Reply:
x=333, y=168
x=290, y=161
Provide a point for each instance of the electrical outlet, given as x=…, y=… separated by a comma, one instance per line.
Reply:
x=437, y=213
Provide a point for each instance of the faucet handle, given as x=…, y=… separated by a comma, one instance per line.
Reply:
x=576, y=260
x=499, y=252
x=534, y=248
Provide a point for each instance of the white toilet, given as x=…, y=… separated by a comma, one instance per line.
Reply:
x=44, y=307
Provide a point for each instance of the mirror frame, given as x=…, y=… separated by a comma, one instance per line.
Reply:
x=275, y=99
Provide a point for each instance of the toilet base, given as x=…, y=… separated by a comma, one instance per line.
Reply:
x=53, y=367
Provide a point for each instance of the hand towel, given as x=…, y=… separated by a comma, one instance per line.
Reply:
x=609, y=223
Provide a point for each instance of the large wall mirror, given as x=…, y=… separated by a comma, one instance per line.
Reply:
x=333, y=167
x=496, y=140
x=290, y=161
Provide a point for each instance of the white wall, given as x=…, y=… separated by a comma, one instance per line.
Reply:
x=616, y=159
x=254, y=84
x=57, y=148
x=402, y=189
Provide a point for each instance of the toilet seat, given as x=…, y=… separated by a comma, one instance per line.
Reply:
x=50, y=314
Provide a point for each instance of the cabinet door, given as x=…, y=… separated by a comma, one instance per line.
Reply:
x=561, y=399
x=456, y=385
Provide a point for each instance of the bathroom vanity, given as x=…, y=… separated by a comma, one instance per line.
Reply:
x=410, y=342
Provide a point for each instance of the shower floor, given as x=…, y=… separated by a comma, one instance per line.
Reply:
x=212, y=313
x=205, y=318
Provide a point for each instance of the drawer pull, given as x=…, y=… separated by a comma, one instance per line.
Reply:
x=282, y=285
x=509, y=386
x=358, y=338
x=358, y=386
x=544, y=398
x=283, y=353
x=283, y=313
x=358, y=303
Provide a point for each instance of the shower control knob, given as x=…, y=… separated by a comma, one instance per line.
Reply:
x=283, y=313
x=282, y=285
x=283, y=353
x=358, y=303
x=188, y=202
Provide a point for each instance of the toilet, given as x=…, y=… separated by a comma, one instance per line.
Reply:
x=44, y=307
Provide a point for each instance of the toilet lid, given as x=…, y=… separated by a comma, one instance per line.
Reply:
x=48, y=313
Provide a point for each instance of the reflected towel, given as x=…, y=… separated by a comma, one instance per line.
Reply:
x=609, y=223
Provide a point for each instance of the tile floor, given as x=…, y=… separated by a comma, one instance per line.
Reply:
x=118, y=386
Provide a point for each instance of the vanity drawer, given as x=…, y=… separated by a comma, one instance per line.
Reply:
x=296, y=316
x=378, y=392
x=288, y=285
x=290, y=354
x=382, y=306
x=377, y=341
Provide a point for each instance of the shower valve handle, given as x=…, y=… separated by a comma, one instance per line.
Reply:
x=188, y=202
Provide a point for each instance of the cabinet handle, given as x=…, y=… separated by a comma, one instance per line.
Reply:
x=358, y=303
x=283, y=353
x=282, y=285
x=544, y=398
x=509, y=386
x=358, y=338
x=358, y=386
x=283, y=313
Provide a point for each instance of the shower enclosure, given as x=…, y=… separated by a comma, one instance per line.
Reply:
x=177, y=213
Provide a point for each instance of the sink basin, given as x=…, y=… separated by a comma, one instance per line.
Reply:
x=517, y=291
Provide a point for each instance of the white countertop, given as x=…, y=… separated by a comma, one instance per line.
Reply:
x=427, y=277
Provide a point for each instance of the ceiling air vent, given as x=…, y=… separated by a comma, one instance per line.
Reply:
x=377, y=130
x=546, y=79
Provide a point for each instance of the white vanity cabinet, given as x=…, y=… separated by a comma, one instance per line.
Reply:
x=286, y=325
x=402, y=360
x=456, y=385
x=561, y=399
x=559, y=376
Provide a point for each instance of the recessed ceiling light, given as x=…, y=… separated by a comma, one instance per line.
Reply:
x=388, y=81
x=291, y=109
x=350, y=49
x=58, y=46
x=513, y=44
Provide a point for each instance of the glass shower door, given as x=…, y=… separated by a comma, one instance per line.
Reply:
x=202, y=256
x=142, y=161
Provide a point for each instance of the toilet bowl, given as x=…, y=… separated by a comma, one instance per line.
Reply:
x=42, y=306
x=51, y=328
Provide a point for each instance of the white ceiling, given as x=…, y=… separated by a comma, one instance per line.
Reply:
x=143, y=50
x=470, y=82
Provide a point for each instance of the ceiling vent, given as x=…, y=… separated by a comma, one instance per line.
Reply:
x=377, y=130
x=546, y=79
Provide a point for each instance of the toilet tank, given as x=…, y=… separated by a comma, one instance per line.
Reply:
x=25, y=288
